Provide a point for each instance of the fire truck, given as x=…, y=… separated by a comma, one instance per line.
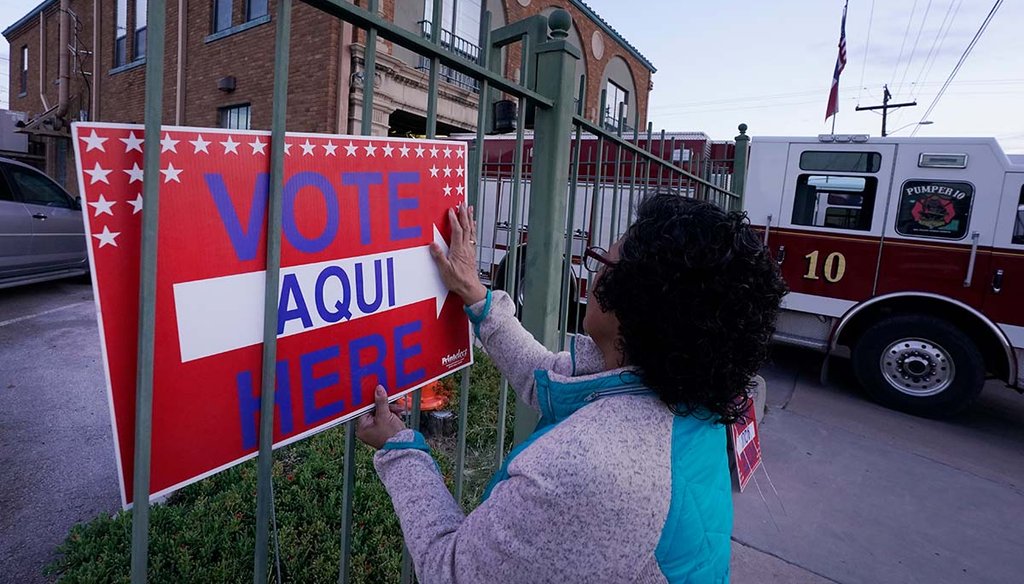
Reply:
x=904, y=255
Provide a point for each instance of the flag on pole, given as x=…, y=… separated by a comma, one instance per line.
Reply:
x=833, y=95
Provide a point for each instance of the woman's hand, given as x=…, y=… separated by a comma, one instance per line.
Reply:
x=377, y=428
x=458, y=269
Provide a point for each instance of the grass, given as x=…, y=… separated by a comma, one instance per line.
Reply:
x=206, y=531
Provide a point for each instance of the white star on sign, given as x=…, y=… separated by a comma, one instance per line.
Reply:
x=458, y=152
x=329, y=148
x=447, y=171
x=102, y=205
x=404, y=150
x=134, y=173
x=230, y=145
x=168, y=144
x=136, y=204
x=447, y=190
x=199, y=144
x=447, y=152
x=433, y=151
x=107, y=237
x=94, y=142
x=350, y=150
x=170, y=173
x=371, y=150
x=307, y=148
x=433, y=171
x=132, y=143
x=287, y=148
x=388, y=149
x=459, y=170
x=458, y=189
x=258, y=146
x=97, y=174
x=419, y=151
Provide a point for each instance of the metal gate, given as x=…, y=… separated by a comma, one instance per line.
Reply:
x=576, y=184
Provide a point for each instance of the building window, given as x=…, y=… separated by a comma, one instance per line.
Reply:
x=839, y=202
x=23, y=77
x=255, y=9
x=616, y=100
x=235, y=117
x=140, y=28
x=221, y=15
x=121, y=34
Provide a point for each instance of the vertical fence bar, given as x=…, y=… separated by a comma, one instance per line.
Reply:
x=566, y=300
x=264, y=493
x=614, y=227
x=632, y=173
x=597, y=197
x=647, y=160
x=156, y=14
x=474, y=199
x=661, y=167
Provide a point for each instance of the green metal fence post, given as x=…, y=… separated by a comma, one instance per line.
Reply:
x=264, y=461
x=156, y=14
x=739, y=169
x=556, y=66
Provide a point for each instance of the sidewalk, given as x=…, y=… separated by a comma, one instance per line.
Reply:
x=871, y=495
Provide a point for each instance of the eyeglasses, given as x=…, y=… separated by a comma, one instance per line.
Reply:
x=595, y=257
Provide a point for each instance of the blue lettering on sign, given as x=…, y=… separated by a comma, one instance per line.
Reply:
x=295, y=184
x=364, y=306
x=397, y=204
x=249, y=405
x=404, y=353
x=290, y=290
x=391, y=281
x=362, y=370
x=363, y=180
x=311, y=384
x=245, y=241
x=341, y=307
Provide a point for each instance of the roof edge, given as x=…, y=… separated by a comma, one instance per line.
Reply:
x=601, y=22
x=28, y=17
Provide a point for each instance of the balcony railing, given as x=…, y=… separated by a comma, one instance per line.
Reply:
x=458, y=45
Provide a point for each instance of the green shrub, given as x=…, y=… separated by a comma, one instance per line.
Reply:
x=206, y=532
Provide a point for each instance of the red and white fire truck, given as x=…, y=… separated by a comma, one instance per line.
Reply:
x=905, y=255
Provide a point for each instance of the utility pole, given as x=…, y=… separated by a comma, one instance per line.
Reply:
x=886, y=106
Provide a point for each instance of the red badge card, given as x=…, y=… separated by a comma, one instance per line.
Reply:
x=746, y=445
x=360, y=301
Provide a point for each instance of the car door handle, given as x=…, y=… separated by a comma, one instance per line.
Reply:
x=997, y=282
x=39, y=216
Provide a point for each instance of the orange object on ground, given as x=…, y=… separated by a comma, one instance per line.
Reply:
x=432, y=398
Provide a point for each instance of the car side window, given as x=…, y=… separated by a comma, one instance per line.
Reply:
x=36, y=189
x=1018, y=224
x=5, y=189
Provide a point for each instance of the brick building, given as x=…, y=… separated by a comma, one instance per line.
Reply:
x=219, y=67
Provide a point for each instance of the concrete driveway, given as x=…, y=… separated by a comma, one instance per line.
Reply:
x=869, y=495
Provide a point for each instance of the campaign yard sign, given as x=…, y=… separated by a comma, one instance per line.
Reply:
x=360, y=301
x=746, y=445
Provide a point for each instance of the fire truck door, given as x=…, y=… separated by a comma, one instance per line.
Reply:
x=939, y=229
x=1004, y=301
x=831, y=222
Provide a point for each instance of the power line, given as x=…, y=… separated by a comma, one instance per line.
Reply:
x=937, y=44
x=903, y=44
x=867, y=48
x=913, y=50
x=963, y=57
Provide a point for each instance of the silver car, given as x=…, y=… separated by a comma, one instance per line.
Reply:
x=42, y=236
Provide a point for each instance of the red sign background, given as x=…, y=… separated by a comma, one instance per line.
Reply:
x=746, y=445
x=345, y=197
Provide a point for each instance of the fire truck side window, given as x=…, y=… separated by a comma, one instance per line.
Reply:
x=1018, y=225
x=840, y=202
x=831, y=161
x=933, y=208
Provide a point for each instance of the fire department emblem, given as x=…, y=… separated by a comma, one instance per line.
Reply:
x=933, y=211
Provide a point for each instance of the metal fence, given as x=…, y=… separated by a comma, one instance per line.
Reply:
x=568, y=184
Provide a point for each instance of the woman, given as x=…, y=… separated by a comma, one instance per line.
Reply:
x=626, y=478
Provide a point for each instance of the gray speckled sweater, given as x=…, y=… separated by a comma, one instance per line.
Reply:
x=620, y=490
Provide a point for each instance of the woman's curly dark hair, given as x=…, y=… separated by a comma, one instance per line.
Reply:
x=696, y=295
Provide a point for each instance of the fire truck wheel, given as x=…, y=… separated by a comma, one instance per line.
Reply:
x=919, y=364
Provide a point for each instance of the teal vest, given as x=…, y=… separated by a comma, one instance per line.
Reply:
x=694, y=547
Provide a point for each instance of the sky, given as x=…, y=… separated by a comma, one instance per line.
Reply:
x=769, y=64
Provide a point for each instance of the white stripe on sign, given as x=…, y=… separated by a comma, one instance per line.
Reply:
x=222, y=314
